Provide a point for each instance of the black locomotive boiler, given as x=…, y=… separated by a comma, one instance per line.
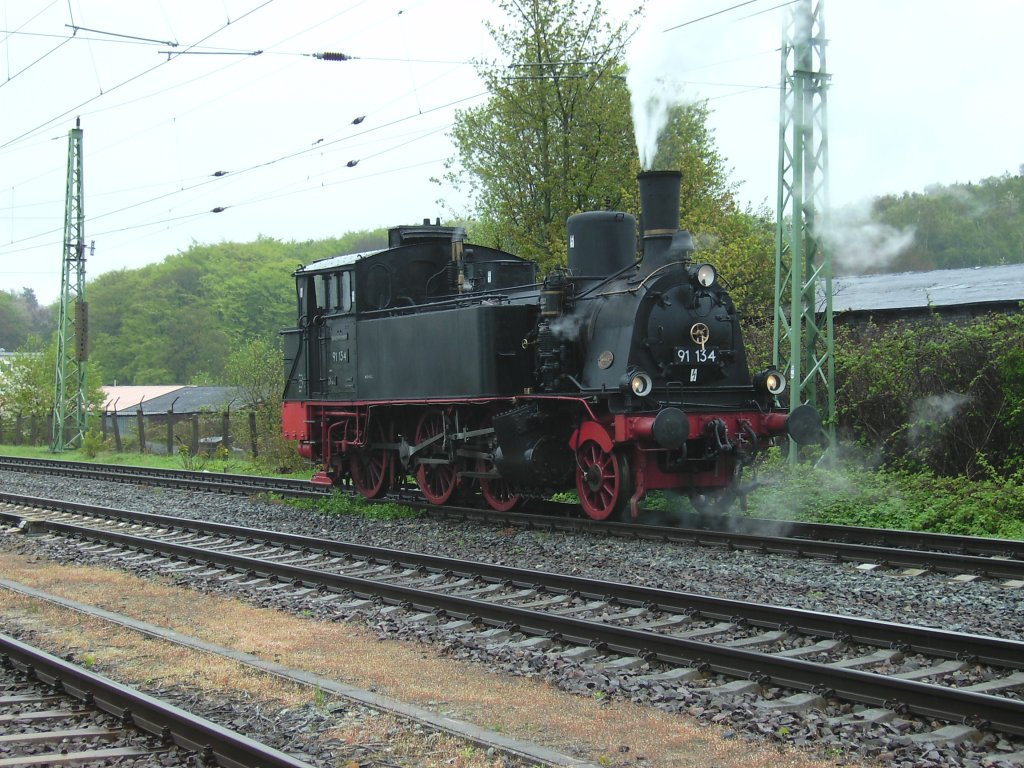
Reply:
x=449, y=362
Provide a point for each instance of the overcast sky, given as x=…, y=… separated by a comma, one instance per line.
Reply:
x=923, y=92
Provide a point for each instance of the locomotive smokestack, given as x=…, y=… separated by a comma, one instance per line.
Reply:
x=659, y=215
x=659, y=203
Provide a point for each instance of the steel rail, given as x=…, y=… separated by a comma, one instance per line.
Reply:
x=887, y=537
x=926, y=699
x=996, y=558
x=952, y=558
x=167, y=478
x=938, y=642
x=165, y=721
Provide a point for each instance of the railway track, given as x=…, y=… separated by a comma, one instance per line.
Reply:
x=53, y=712
x=656, y=637
x=971, y=557
x=211, y=482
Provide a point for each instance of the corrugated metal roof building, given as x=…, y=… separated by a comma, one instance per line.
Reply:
x=954, y=293
x=179, y=398
x=197, y=417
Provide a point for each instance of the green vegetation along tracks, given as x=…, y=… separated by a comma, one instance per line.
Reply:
x=677, y=636
x=216, y=482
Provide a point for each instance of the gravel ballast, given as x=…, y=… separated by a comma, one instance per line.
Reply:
x=980, y=607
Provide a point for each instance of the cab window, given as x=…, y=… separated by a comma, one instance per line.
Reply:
x=348, y=291
x=326, y=292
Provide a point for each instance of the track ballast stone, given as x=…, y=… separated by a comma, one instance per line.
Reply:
x=980, y=607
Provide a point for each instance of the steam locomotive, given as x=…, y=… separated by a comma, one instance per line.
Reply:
x=449, y=362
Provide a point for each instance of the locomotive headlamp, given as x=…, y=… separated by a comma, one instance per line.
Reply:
x=770, y=381
x=637, y=382
x=704, y=274
x=641, y=384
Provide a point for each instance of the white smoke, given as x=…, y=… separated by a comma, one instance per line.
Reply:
x=651, y=56
x=859, y=244
x=565, y=327
x=929, y=414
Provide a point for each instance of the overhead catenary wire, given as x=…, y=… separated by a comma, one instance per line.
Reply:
x=213, y=177
x=133, y=78
x=189, y=189
x=141, y=39
x=76, y=29
x=711, y=15
x=319, y=145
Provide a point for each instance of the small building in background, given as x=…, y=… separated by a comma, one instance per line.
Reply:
x=956, y=295
x=169, y=417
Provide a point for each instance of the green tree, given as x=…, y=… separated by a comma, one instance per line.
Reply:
x=961, y=225
x=555, y=137
x=22, y=317
x=27, y=380
x=178, y=320
x=256, y=368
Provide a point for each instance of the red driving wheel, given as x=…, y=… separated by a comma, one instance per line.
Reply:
x=435, y=475
x=602, y=480
x=372, y=467
x=497, y=491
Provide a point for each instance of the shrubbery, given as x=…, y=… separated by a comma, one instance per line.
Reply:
x=935, y=395
x=930, y=417
x=947, y=397
x=846, y=493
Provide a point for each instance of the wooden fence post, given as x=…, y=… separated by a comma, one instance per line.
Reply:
x=142, y=430
x=252, y=434
x=170, y=432
x=225, y=431
x=117, y=432
x=195, y=433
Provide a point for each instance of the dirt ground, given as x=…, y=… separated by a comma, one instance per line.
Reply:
x=601, y=731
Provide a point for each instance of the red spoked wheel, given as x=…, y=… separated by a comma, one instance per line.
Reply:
x=435, y=475
x=373, y=467
x=498, y=492
x=602, y=480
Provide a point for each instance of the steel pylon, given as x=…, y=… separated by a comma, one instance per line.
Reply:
x=804, y=344
x=70, y=404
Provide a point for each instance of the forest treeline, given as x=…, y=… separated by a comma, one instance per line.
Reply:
x=961, y=225
x=176, y=321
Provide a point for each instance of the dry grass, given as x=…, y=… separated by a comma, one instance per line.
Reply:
x=608, y=733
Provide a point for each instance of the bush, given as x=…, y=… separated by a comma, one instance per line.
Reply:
x=343, y=504
x=937, y=396
x=93, y=443
x=849, y=494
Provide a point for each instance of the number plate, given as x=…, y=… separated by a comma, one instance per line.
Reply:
x=686, y=356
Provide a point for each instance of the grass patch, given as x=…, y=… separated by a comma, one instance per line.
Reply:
x=340, y=504
x=918, y=501
x=230, y=464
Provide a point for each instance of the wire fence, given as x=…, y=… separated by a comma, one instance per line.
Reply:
x=157, y=433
